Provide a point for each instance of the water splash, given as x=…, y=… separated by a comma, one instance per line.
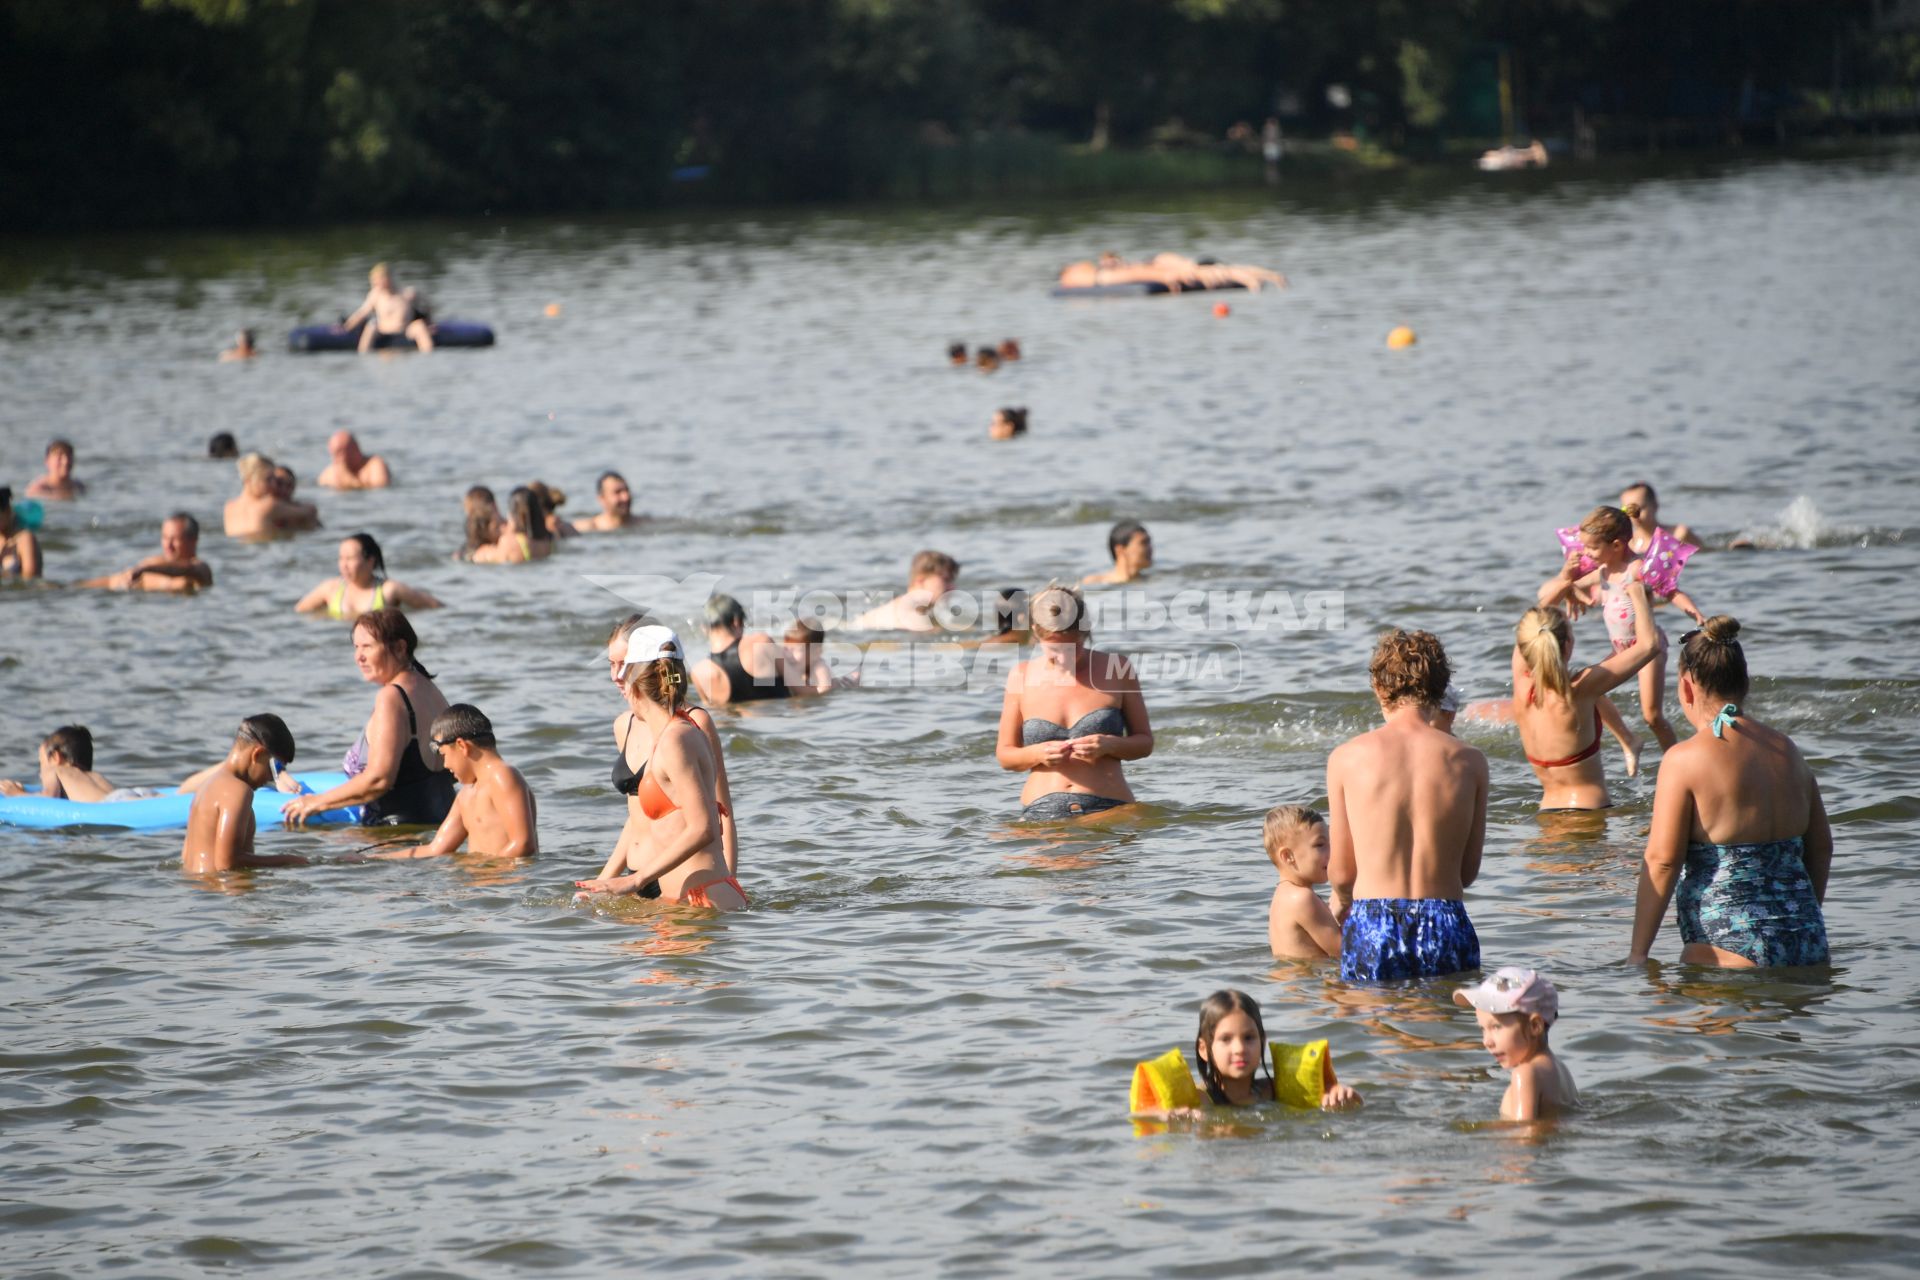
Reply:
x=1799, y=526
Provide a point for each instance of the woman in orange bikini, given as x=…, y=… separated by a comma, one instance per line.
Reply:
x=673, y=834
x=1559, y=714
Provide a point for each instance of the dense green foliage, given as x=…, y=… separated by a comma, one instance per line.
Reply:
x=166, y=111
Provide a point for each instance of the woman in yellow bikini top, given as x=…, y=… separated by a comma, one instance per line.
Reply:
x=362, y=585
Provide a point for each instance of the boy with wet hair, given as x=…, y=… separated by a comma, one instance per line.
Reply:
x=220, y=825
x=1131, y=547
x=1299, y=925
x=493, y=814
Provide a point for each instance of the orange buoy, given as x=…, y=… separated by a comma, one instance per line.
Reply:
x=1222, y=310
x=1401, y=337
x=553, y=308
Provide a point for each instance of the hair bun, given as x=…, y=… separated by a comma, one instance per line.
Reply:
x=1721, y=629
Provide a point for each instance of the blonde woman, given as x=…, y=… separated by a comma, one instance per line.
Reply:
x=258, y=512
x=1560, y=715
x=1071, y=716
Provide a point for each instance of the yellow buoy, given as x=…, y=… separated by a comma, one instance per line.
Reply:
x=1401, y=337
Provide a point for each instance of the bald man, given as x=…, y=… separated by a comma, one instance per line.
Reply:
x=352, y=469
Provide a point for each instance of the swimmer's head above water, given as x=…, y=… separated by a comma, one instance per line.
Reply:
x=222, y=445
x=1131, y=547
x=1007, y=423
x=1409, y=668
x=361, y=561
x=1296, y=841
x=1231, y=1044
x=384, y=645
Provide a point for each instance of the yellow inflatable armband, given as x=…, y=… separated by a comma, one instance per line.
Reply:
x=1302, y=1073
x=1164, y=1084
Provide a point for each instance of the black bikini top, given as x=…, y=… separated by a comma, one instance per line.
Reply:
x=625, y=780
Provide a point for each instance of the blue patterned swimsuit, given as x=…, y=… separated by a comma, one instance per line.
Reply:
x=1384, y=939
x=1754, y=900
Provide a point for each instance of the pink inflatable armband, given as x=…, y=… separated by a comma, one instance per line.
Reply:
x=1660, y=566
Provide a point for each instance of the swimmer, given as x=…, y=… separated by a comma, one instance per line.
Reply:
x=741, y=665
x=1646, y=521
x=221, y=445
x=1009, y=350
x=1447, y=711
x=220, y=824
x=178, y=567
x=1071, y=716
x=1230, y=1048
x=494, y=813
x=362, y=585
x=987, y=357
x=349, y=468
x=481, y=511
x=957, y=354
x=1407, y=819
x=930, y=576
x=525, y=535
x=1299, y=926
x=616, y=506
x=242, y=348
x=1007, y=423
x=1516, y=1008
x=58, y=484
x=1738, y=821
x=19, y=546
x=389, y=311
x=1605, y=540
x=552, y=499
x=1132, y=550
x=1172, y=270
x=1560, y=716
x=673, y=835
x=803, y=663
x=261, y=512
x=66, y=768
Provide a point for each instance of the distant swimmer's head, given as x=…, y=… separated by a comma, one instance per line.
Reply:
x=616, y=496
x=343, y=447
x=1231, y=1043
x=59, y=459
x=957, y=353
x=457, y=733
x=482, y=515
x=243, y=340
x=70, y=745
x=1296, y=842
x=1007, y=423
x=222, y=445
x=932, y=574
x=987, y=358
x=528, y=514
x=179, y=536
x=1713, y=663
x=256, y=474
x=380, y=277
x=360, y=560
x=1409, y=667
x=283, y=482
x=1059, y=615
x=554, y=497
x=1542, y=643
x=1131, y=547
x=1010, y=348
x=725, y=616
x=266, y=745
x=384, y=645
x=1607, y=532
x=617, y=639
x=655, y=667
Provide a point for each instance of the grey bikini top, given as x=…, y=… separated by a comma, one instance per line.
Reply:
x=1107, y=720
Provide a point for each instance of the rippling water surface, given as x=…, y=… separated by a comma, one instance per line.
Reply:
x=912, y=1054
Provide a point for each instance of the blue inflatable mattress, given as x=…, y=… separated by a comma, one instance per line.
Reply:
x=331, y=337
x=159, y=813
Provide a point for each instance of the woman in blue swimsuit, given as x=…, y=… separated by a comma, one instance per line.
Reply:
x=1738, y=823
x=1071, y=715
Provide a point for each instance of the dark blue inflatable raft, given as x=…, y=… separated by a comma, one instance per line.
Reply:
x=331, y=337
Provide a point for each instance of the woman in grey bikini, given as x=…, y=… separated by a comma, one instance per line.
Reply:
x=1071, y=716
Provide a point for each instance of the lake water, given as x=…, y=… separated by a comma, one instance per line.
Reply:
x=912, y=1055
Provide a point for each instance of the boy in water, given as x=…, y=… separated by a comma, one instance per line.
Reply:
x=220, y=824
x=66, y=768
x=58, y=483
x=1516, y=1007
x=1132, y=549
x=1299, y=926
x=493, y=814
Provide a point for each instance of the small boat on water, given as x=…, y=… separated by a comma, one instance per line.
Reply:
x=331, y=337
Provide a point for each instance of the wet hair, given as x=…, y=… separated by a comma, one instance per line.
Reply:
x=463, y=720
x=1121, y=534
x=1009, y=348
x=1212, y=1012
x=662, y=682
x=371, y=550
x=1542, y=636
x=60, y=446
x=933, y=563
x=1009, y=610
x=6, y=495
x=725, y=611
x=957, y=352
x=271, y=732
x=600, y=485
x=74, y=743
x=552, y=497
x=1713, y=657
x=193, y=526
x=527, y=510
x=1056, y=611
x=246, y=337
x=483, y=519
x=223, y=445
x=1409, y=666
x=1610, y=524
x=1016, y=416
x=1282, y=822
x=987, y=357
x=391, y=630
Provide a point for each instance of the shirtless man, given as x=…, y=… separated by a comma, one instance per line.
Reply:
x=220, y=824
x=350, y=468
x=66, y=768
x=178, y=567
x=261, y=512
x=389, y=311
x=1407, y=813
x=58, y=485
x=616, y=506
x=1132, y=550
x=493, y=814
x=931, y=576
x=1175, y=271
x=242, y=348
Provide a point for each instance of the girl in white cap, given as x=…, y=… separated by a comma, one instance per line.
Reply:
x=1516, y=1008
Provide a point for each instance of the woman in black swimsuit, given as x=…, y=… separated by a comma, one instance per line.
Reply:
x=395, y=773
x=1071, y=715
x=742, y=665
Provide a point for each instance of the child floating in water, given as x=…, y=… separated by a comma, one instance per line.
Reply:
x=1516, y=1008
x=220, y=824
x=493, y=814
x=1299, y=925
x=1231, y=1047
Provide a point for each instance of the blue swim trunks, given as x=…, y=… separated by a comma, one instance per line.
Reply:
x=1754, y=900
x=1385, y=939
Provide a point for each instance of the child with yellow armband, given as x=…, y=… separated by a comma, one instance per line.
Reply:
x=1230, y=1048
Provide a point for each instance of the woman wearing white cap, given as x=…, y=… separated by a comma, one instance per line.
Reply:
x=677, y=816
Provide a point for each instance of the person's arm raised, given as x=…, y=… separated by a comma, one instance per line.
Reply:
x=1666, y=854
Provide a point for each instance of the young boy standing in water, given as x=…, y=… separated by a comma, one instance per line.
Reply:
x=1516, y=1007
x=494, y=812
x=220, y=824
x=1299, y=925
